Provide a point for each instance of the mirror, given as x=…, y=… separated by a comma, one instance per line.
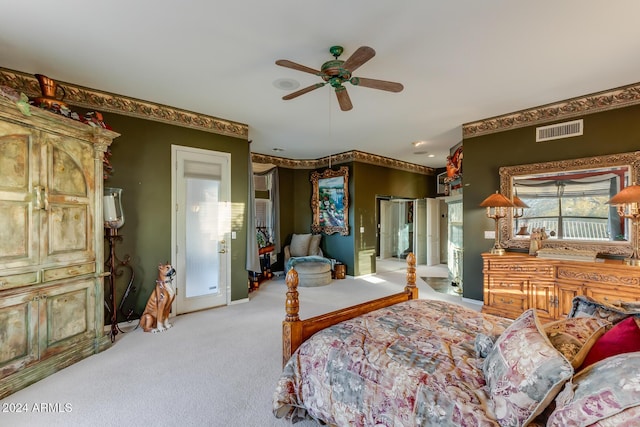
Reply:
x=568, y=199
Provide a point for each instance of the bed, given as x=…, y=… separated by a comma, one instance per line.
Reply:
x=404, y=361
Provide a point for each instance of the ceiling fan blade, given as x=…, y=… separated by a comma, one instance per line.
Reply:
x=377, y=84
x=303, y=91
x=359, y=57
x=343, y=98
x=293, y=65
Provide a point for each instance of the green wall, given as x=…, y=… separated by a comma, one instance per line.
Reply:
x=366, y=181
x=141, y=158
x=614, y=131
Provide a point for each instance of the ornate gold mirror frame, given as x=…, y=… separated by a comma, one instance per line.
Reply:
x=607, y=248
x=330, y=201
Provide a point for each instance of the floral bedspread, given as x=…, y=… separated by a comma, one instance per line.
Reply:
x=411, y=364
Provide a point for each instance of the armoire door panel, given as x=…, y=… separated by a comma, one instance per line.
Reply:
x=19, y=314
x=68, y=222
x=66, y=176
x=68, y=313
x=19, y=195
x=68, y=229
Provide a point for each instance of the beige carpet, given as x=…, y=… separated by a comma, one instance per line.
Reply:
x=213, y=368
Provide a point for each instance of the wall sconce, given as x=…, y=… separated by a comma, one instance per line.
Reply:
x=497, y=207
x=627, y=201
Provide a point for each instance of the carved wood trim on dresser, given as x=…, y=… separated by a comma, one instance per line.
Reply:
x=516, y=282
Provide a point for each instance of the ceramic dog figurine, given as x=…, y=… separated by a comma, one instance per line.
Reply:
x=155, y=317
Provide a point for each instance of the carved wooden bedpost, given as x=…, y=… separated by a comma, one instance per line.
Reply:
x=411, y=276
x=291, y=326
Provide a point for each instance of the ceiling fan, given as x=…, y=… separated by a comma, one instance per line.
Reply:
x=336, y=72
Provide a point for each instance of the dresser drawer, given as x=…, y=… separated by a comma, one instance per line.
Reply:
x=68, y=271
x=611, y=297
x=17, y=280
x=508, y=301
x=504, y=284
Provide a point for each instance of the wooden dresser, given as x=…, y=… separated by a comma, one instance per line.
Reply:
x=51, y=244
x=516, y=282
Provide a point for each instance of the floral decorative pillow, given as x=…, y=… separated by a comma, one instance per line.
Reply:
x=583, y=305
x=607, y=393
x=483, y=344
x=524, y=372
x=575, y=336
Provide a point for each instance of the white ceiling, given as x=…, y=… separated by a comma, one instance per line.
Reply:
x=459, y=61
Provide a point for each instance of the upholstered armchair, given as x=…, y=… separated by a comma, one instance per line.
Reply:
x=304, y=254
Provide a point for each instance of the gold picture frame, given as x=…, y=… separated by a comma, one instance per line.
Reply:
x=330, y=201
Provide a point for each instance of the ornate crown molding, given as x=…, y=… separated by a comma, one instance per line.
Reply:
x=624, y=96
x=105, y=101
x=336, y=159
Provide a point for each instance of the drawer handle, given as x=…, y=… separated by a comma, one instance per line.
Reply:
x=502, y=300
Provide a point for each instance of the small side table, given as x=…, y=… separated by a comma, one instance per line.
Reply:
x=265, y=265
x=340, y=270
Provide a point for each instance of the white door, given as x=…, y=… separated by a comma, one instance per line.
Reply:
x=420, y=231
x=386, y=242
x=433, y=232
x=201, y=228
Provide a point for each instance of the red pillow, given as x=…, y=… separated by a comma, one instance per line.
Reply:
x=622, y=338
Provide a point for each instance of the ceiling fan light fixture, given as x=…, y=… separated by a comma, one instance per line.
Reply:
x=286, y=84
x=335, y=72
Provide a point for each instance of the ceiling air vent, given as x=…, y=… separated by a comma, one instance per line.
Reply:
x=559, y=130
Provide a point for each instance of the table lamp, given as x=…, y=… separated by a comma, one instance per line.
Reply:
x=497, y=208
x=627, y=201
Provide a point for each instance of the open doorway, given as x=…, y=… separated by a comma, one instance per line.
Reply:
x=408, y=225
x=395, y=227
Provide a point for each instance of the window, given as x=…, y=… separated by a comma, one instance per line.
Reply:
x=263, y=204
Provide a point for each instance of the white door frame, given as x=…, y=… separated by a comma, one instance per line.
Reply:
x=226, y=183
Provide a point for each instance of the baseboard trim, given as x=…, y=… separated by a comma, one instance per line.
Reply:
x=473, y=301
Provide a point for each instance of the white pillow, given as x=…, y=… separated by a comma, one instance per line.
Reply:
x=300, y=244
x=314, y=246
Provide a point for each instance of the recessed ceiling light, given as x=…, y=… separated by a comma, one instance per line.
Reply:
x=420, y=152
x=286, y=84
x=431, y=155
x=278, y=149
x=418, y=143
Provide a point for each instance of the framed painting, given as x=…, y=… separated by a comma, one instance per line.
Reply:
x=330, y=201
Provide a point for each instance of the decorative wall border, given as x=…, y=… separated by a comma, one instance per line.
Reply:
x=623, y=96
x=336, y=159
x=109, y=102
